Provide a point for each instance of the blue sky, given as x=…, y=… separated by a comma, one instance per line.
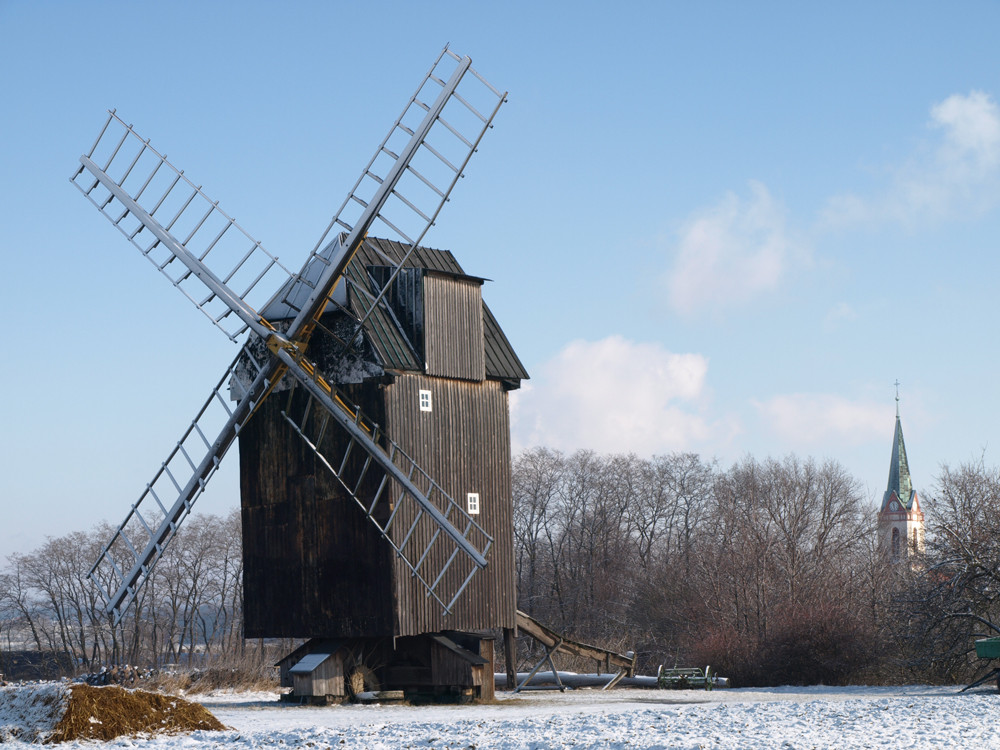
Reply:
x=718, y=227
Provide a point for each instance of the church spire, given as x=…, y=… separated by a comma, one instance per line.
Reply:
x=900, y=521
x=900, y=483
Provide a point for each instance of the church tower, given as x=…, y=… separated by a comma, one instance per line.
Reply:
x=900, y=521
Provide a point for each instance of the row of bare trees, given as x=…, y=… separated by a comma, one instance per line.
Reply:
x=592, y=531
x=691, y=562
x=767, y=569
x=189, y=609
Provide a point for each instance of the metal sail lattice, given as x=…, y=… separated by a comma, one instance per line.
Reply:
x=407, y=181
x=127, y=560
x=200, y=248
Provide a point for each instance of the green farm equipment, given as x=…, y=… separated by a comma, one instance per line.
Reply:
x=987, y=648
x=685, y=678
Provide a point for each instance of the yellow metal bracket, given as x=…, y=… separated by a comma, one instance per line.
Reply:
x=276, y=342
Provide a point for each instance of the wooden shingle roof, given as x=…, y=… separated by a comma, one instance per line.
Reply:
x=389, y=341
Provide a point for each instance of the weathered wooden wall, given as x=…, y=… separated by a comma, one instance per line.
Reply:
x=314, y=566
x=464, y=444
x=326, y=679
x=453, y=327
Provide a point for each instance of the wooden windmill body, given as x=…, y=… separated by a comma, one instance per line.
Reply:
x=369, y=401
x=438, y=383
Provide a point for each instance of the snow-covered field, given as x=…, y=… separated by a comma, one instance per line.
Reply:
x=816, y=717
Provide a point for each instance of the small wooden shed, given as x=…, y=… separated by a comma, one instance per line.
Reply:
x=319, y=675
x=291, y=660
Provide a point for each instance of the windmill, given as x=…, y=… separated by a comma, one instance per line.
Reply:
x=309, y=341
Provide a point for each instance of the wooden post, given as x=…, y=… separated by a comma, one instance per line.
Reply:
x=510, y=656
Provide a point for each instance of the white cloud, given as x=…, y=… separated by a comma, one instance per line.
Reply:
x=730, y=253
x=972, y=130
x=813, y=418
x=840, y=313
x=958, y=173
x=613, y=395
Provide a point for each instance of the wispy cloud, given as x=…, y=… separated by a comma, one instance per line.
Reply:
x=815, y=418
x=742, y=248
x=842, y=312
x=731, y=253
x=958, y=173
x=613, y=395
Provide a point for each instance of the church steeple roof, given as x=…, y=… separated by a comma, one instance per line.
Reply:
x=900, y=520
x=900, y=483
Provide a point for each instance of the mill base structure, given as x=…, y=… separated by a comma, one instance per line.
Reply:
x=448, y=667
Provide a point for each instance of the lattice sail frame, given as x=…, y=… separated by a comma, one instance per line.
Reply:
x=205, y=253
x=409, y=179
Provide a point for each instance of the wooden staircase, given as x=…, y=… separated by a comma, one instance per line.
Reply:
x=554, y=642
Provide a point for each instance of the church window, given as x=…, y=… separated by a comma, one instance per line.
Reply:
x=895, y=542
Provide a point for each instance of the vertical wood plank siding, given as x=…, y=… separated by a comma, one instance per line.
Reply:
x=464, y=444
x=326, y=679
x=313, y=565
x=453, y=327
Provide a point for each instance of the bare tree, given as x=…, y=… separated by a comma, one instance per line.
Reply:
x=192, y=604
x=952, y=596
x=535, y=481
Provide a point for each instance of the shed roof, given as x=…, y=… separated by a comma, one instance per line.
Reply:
x=464, y=653
x=311, y=646
x=308, y=663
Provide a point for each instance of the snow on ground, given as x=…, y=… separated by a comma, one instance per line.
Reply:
x=812, y=717
x=39, y=708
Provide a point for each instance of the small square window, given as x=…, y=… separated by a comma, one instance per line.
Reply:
x=473, y=503
x=425, y=400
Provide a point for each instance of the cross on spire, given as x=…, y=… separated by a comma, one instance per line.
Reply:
x=897, y=396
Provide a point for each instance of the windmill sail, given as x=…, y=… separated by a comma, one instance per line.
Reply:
x=127, y=560
x=200, y=248
x=402, y=190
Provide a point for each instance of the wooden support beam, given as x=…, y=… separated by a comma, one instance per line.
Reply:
x=510, y=656
x=549, y=638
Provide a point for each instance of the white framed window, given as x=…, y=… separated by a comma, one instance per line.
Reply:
x=425, y=400
x=472, y=503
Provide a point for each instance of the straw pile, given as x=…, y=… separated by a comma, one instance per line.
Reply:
x=82, y=712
